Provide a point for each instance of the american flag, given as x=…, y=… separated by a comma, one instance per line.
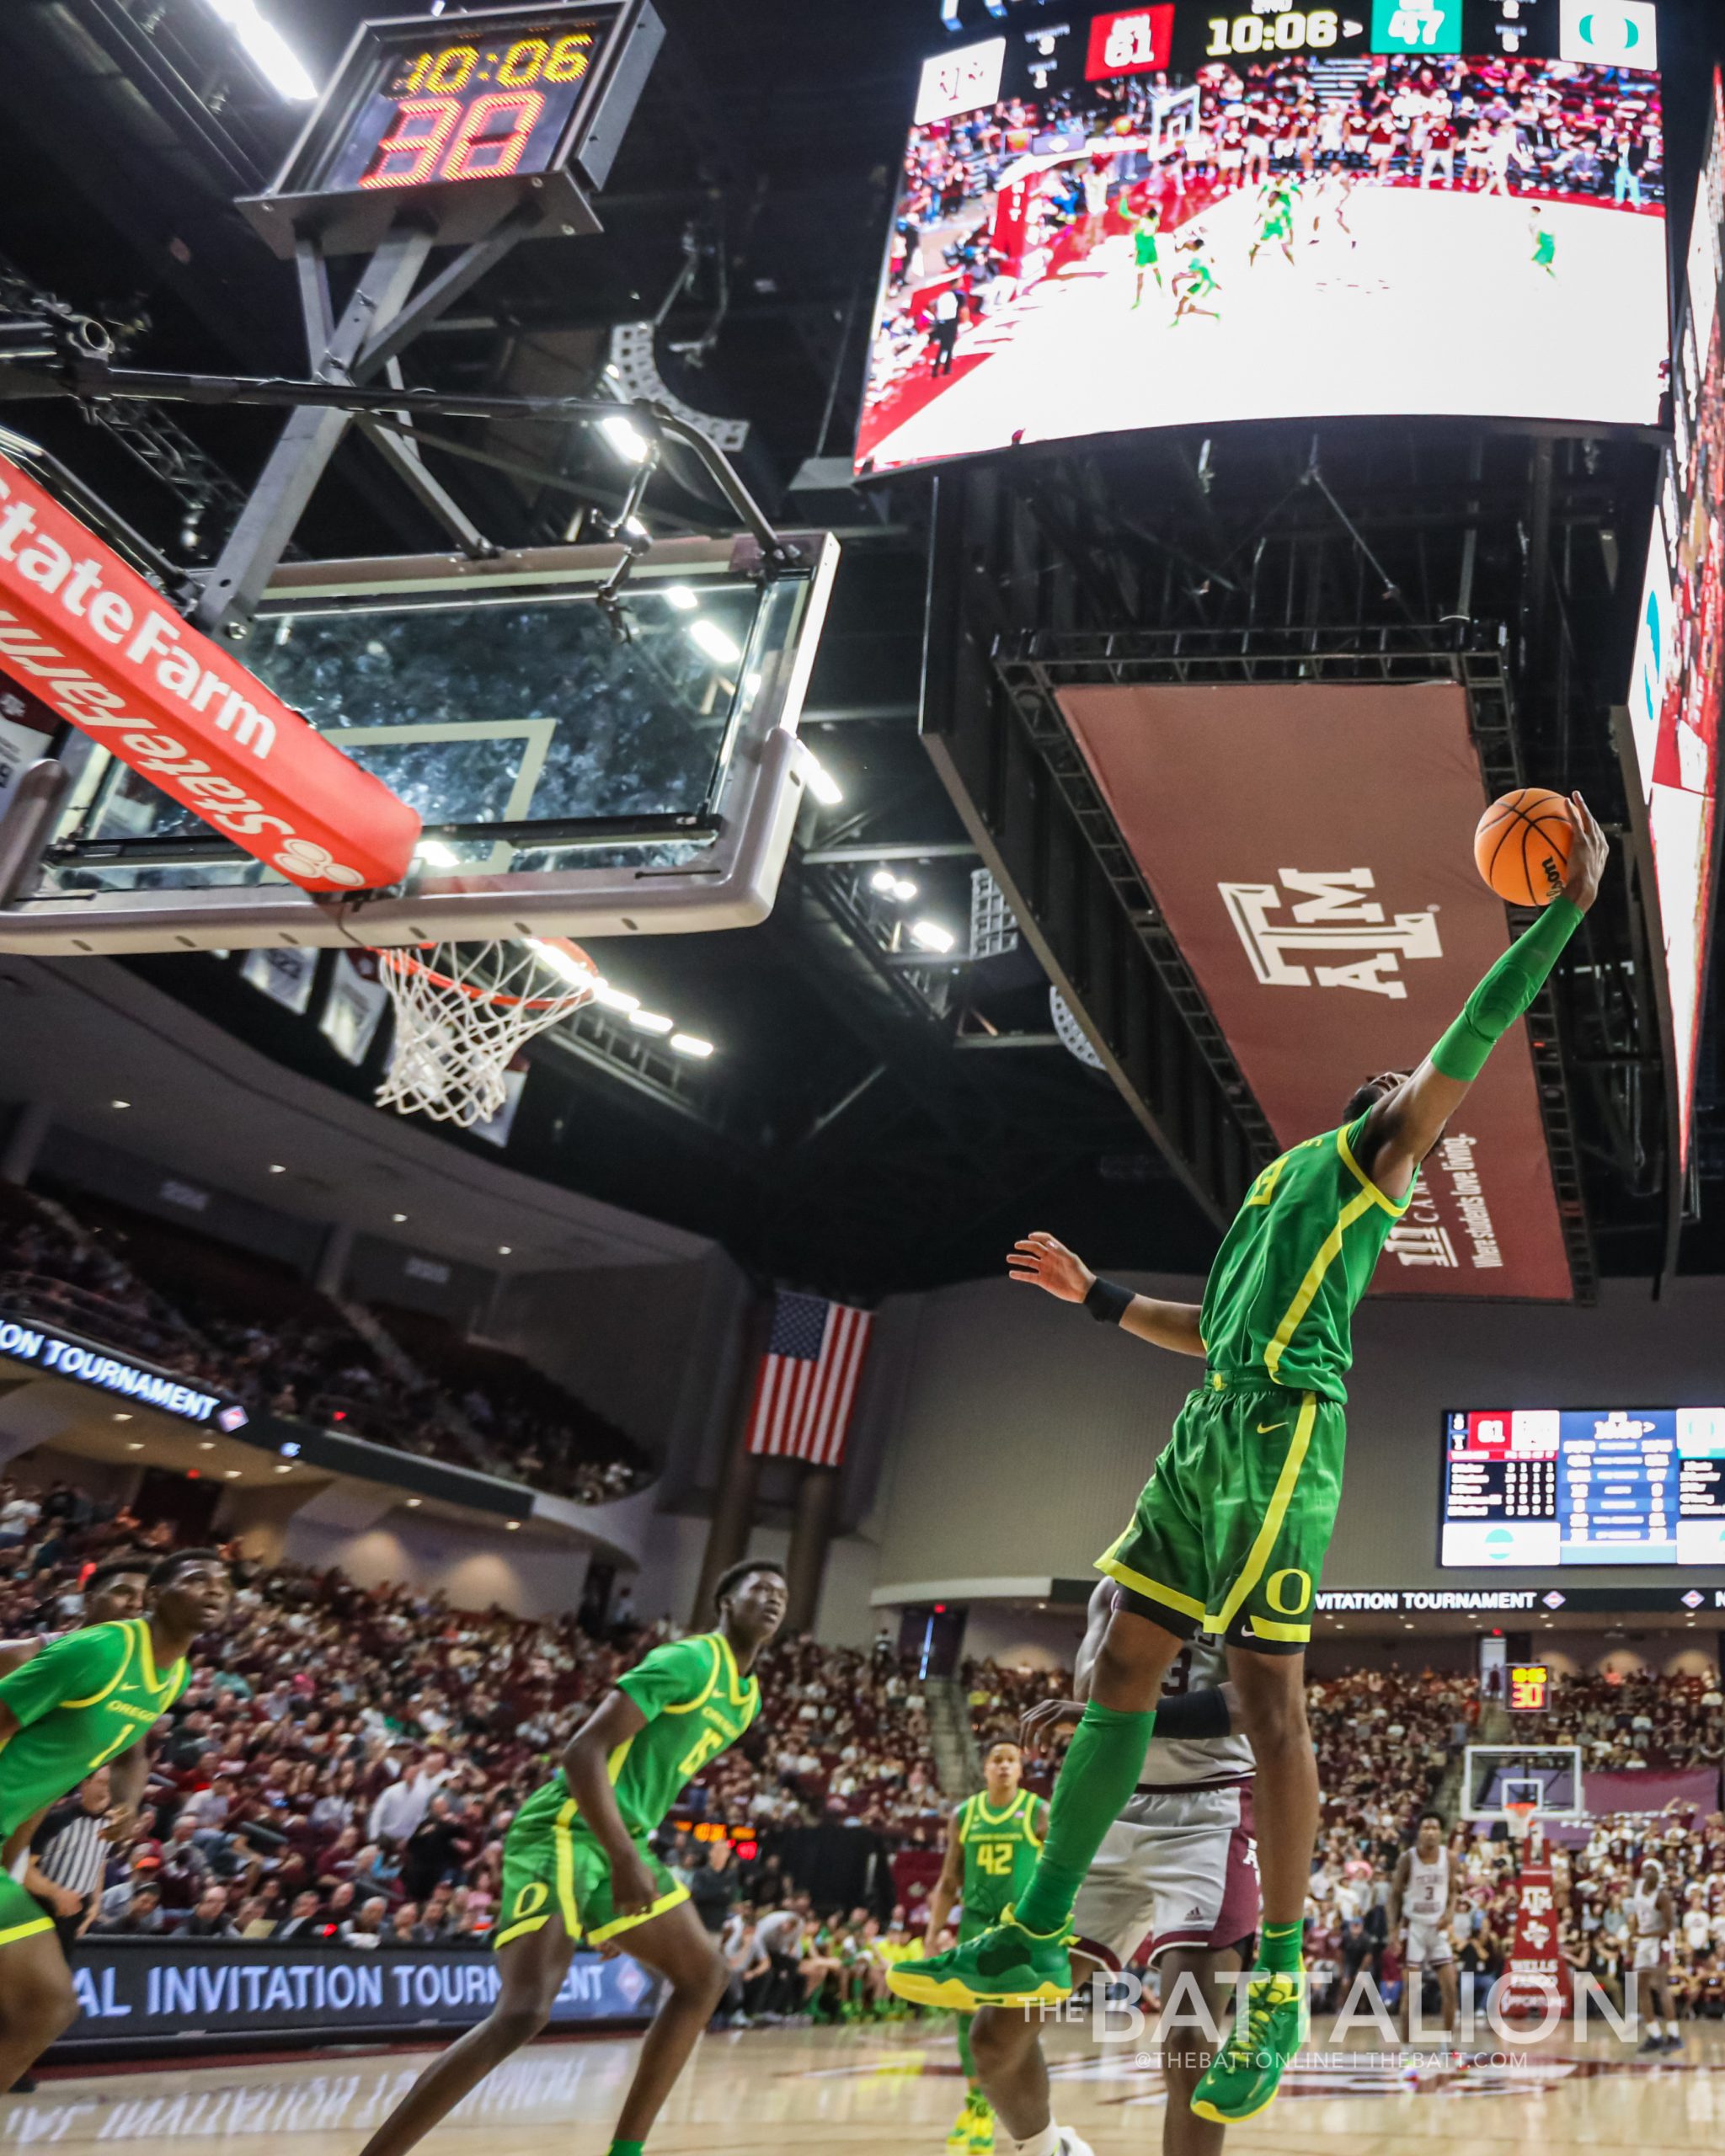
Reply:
x=808, y=1379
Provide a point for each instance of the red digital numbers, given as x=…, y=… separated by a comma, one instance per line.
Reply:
x=478, y=151
x=409, y=154
x=441, y=138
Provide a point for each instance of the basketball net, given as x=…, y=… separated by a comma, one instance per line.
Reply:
x=1520, y=1818
x=461, y=1012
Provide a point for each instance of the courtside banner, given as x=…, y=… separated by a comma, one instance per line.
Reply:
x=1312, y=851
x=103, y=649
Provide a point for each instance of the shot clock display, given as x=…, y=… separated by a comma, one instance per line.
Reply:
x=458, y=121
x=469, y=110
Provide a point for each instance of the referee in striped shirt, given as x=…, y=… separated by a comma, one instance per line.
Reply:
x=68, y=1855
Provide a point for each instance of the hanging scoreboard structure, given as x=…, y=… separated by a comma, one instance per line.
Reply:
x=464, y=121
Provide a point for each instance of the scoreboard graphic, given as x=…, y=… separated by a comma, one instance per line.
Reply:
x=1180, y=213
x=1617, y=1485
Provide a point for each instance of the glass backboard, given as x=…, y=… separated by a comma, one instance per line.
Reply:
x=581, y=768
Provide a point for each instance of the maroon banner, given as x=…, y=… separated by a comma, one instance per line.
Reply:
x=1536, y=1971
x=1311, y=850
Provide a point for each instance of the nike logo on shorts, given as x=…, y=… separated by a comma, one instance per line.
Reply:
x=1265, y=1429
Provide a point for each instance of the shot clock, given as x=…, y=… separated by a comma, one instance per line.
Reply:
x=462, y=121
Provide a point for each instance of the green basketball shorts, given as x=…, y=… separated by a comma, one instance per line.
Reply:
x=21, y=1914
x=1230, y=1534
x=552, y=1866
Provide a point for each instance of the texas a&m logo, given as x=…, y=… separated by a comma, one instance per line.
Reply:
x=1332, y=935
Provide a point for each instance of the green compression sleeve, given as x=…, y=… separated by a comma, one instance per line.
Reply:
x=1505, y=992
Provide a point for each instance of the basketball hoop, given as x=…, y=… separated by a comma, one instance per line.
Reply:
x=462, y=1010
x=1521, y=1816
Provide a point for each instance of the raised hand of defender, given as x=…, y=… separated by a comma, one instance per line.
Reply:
x=1586, y=857
x=1042, y=1262
x=1045, y=1718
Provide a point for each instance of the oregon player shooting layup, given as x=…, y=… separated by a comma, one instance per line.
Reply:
x=1178, y=1868
x=85, y=1701
x=576, y=1864
x=1231, y=1532
x=991, y=1850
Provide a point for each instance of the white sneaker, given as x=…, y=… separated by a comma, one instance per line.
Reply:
x=1070, y=2145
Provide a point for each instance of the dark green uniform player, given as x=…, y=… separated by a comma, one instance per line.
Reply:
x=696, y=1704
x=79, y=1703
x=992, y=1846
x=1231, y=1531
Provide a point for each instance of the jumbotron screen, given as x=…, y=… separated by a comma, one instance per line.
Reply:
x=1584, y=1486
x=1675, y=683
x=1175, y=215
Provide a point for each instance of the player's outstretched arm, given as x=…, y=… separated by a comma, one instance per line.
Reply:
x=1041, y=1261
x=1405, y=1125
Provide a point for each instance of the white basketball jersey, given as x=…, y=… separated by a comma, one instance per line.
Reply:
x=1645, y=1909
x=1428, y=1894
x=1198, y=1761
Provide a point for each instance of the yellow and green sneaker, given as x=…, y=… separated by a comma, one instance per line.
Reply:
x=1241, y=2079
x=959, y=2140
x=981, y=2141
x=1005, y=1966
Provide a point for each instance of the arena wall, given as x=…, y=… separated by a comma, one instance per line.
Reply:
x=1025, y=1432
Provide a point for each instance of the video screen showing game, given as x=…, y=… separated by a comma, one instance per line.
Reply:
x=1166, y=216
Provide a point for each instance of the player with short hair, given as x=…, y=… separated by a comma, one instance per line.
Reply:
x=1654, y=1915
x=1177, y=1867
x=87, y=1700
x=1422, y=1891
x=1147, y=250
x=1544, y=242
x=114, y=1594
x=991, y=1850
x=576, y=1864
x=1276, y=210
x=1230, y=1534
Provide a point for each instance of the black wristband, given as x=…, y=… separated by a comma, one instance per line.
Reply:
x=1108, y=1302
x=1193, y=1714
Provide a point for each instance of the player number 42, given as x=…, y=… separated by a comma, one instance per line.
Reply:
x=1293, y=32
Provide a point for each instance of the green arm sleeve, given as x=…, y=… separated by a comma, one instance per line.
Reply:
x=1505, y=992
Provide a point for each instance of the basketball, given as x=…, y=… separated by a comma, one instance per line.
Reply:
x=1522, y=846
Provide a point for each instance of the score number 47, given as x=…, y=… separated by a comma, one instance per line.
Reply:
x=1293, y=32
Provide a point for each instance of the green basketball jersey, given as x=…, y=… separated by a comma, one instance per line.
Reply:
x=80, y=1702
x=1001, y=1849
x=696, y=1704
x=1278, y=1305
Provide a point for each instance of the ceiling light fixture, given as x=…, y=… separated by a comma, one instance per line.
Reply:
x=883, y=881
x=626, y=437
x=692, y=1045
x=680, y=596
x=513, y=1525
x=437, y=854
x=233, y=1475
x=719, y=646
x=651, y=1022
x=120, y=1104
x=930, y=935
x=277, y=1169
x=616, y=999
x=904, y=889
x=557, y=960
x=267, y=50
x=208, y=1445
x=822, y=784
x=398, y=1218
x=414, y=1504
x=122, y=1415
x=137, y=1445
x=504, y=1249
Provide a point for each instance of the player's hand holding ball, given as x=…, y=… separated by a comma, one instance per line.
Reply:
x=1041, y=1261
x=1533, y=844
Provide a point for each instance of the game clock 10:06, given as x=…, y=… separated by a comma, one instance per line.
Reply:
x=479, y=109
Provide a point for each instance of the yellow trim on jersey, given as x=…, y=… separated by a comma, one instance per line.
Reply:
x=27, y=1930
x=1383, y=1197
x=1270, y=1527
x=746, y=1691
x=641, y=1916
x=997, y=1820
x=1108, y=1563
x=563, y=1844
x=131, y=1629
x=1328, y=1251
x=1031, y=1835
x=688, y=1706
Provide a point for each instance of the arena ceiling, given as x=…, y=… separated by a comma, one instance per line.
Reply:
x=866, y=1126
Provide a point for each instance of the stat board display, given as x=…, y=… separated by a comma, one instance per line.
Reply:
x=1180, y=214
x=1606, y=1486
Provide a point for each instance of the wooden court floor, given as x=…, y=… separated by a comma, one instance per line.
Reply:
x=885, y=2093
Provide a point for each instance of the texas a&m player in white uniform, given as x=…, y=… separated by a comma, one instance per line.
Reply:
x=1422, y=1899
x=1179, y=1868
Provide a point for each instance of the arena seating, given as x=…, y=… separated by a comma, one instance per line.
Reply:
x=250, y=1327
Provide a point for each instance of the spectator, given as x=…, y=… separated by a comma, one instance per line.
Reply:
x=210, y=1920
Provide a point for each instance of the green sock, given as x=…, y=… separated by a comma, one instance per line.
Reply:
x=626, y=2149
x=1101, y=1770
x=1278, y=1950
x=966, y=2058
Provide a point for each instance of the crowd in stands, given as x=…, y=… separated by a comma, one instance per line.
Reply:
x=249, y=1329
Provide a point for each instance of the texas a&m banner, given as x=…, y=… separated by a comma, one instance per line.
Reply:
x=1311, y=848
